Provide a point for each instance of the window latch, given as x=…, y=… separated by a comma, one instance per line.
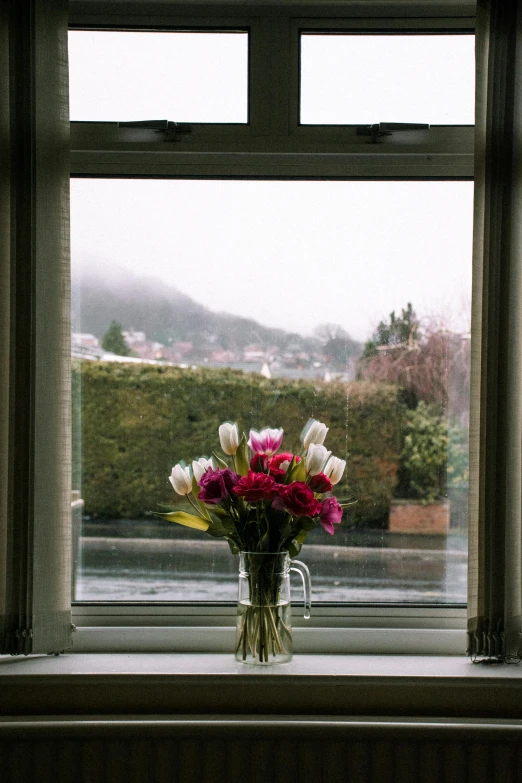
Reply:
x=169, y=128
x=380, y=129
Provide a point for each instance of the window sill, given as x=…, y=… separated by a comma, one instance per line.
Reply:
x=214, y=684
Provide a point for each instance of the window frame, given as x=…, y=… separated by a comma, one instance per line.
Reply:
x=272, y=145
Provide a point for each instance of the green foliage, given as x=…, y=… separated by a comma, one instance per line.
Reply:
x=425, y=453
x=114, y=341
x=399, y=330
x=458, y=456
x=140, y=420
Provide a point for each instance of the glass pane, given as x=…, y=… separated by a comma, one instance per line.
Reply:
x=178, y=76
x=365, y=79
x=268, y=303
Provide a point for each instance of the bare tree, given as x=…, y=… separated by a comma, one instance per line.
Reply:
x=435, y=368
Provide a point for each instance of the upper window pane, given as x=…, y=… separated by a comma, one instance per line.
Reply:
x=178, y=76
x=365, y=79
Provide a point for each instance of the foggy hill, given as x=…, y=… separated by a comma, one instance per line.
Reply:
x=165, y=314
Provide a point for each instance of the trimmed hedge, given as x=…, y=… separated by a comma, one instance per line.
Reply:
x=139, y=420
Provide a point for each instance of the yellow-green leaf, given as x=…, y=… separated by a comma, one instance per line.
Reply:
x=242, y=462
x=188, y=520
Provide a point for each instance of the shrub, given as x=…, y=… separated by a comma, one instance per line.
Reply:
x=424, y=454
x=140, y=420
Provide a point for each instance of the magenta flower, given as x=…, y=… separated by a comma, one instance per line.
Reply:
x=216, y=485
x=267, y=441
x=331, y=514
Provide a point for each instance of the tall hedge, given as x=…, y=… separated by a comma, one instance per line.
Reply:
x=137, y=421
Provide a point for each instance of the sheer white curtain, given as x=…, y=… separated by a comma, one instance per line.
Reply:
x=35, y=614
x=495, y=535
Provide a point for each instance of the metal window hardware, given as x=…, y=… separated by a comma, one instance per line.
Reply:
x=380, y=129
x=169, y=128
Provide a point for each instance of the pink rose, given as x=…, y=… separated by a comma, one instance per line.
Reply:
x=331, y=514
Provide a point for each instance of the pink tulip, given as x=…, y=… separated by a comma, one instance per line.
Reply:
x=265, y=442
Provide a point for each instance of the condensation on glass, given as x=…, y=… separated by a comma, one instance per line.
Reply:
x=199, y=77
x=280, y=293
x=365, y=79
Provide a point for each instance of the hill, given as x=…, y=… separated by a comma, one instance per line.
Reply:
x=166, y=315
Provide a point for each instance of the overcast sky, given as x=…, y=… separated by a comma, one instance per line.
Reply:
x=289, y=254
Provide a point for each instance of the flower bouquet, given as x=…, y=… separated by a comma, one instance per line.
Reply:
x=264, y=503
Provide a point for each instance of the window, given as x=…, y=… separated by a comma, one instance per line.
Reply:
x=194, y=76
x=361, y=186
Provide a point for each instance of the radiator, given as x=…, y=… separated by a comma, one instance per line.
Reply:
x=258, y=750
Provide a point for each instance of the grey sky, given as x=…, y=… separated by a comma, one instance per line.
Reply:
x=289, y=254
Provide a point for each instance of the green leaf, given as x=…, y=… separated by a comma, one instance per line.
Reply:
x=286, y=477
x=242, y=461
x=233, y=546
x=187, y=520
x=297, y=472
x=219, y=462
x=219, y=511
x=217, y=529
x=293, y=550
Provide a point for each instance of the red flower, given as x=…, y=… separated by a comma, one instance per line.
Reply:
x=255, y=486
x=299, y=499
x=275, y=464
x=259, y=463
x=276, y=461
x=320, y=483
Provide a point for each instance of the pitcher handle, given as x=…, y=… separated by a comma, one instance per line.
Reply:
x=302, y=570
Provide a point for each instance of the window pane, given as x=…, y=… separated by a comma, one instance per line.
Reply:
x=178, y=76
x=268, y=303
x=365, y=79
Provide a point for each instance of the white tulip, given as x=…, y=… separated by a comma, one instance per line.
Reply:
x=316, y=458
x=334, y=469
x=181, y=480
x=229, y=438
x=316, y=433
x=199, y=466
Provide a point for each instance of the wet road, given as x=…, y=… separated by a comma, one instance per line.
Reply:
x=369, y=568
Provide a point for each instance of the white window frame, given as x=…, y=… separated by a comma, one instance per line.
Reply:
x=272, y=145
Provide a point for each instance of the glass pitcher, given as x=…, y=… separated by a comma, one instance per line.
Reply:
x=264, y=621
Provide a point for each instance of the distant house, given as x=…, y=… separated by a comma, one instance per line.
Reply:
x=85, y=340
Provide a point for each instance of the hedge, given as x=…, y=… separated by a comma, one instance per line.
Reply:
x=137, y=421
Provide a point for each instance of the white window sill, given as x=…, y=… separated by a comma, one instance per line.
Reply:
x=363, y=630
x=215, y=684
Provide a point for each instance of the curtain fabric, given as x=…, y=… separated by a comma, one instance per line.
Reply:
x=495, y=534
x=35, y=498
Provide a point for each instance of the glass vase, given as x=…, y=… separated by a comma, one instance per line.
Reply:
x=264, y=621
